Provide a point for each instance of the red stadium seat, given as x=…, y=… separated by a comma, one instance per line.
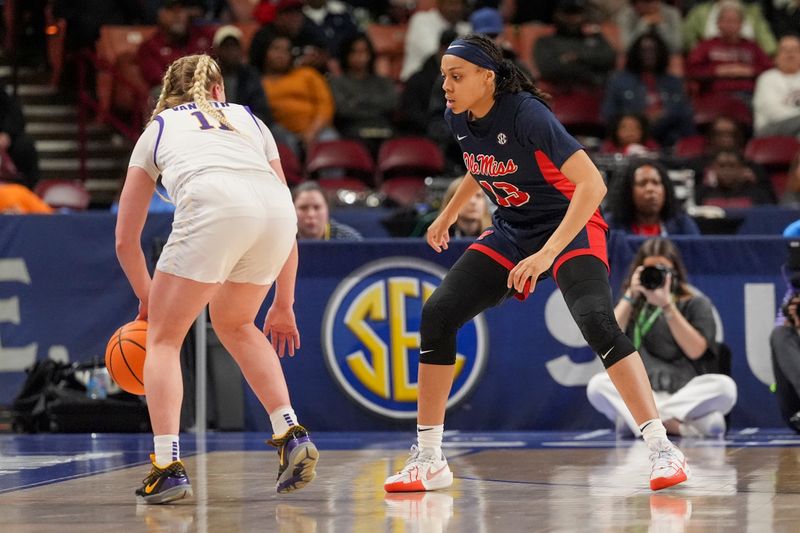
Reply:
x=405, y=191
x=579, y=111
x=708, y=108
x=417, y=157
x=347, y=156
x=690, y=147
x=290, y=163
x=774, y=153
x=779, y=180
x=59, y=193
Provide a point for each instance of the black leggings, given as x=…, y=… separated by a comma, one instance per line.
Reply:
x=476, y=283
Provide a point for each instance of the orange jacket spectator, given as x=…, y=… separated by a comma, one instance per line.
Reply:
x=17, y=199
x=299, y=98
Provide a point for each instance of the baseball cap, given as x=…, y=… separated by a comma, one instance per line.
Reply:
x=487, y=20
x=225, y=32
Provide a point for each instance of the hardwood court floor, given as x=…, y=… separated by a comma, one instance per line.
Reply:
x=504, y=482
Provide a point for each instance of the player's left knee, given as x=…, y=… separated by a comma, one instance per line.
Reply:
x=599, y=327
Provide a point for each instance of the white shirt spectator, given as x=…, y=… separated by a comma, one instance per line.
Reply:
x=668, y=27
x=422, y=38
x=776, y=100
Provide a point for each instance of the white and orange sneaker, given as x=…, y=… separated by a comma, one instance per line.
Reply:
x=424, y=471
x=668, y=465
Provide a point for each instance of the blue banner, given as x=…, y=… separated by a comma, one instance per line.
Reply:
x=521, y=366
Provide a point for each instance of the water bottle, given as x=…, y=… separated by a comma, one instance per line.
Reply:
x=97, y=385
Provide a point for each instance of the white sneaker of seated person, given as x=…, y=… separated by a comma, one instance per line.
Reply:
x=424, y=470
x=711, y=425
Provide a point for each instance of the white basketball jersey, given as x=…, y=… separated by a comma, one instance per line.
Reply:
x=183, y=142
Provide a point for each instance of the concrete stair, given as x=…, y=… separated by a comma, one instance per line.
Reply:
x=52, y=120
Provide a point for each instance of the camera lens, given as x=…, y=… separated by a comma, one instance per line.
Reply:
x=653, y=277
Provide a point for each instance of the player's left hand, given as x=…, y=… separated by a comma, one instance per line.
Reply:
x=142, y=310
x=523, y=277
x=281, y=328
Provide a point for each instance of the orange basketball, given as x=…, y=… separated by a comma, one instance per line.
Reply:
x=125, y=354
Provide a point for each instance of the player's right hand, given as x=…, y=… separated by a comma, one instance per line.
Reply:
x=439, y=231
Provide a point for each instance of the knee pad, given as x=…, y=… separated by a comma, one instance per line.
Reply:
x=437, y=333
x=599, y=327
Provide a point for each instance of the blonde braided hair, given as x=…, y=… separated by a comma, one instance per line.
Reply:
x=189, y=79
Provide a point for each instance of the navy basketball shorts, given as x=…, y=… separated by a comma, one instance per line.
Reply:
x=508, y=246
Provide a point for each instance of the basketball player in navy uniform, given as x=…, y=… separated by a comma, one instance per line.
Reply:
x=547, y=223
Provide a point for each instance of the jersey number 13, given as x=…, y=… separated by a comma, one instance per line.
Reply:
x=509, y=195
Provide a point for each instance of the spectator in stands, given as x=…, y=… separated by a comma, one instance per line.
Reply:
x=364, y=100
x=784, y=17
x=791, y=196
x=702, y=23
x=776, y=101
x=422, y=105
x=673, y=327
x=17, y=199
x=728, y=63
x=335, y=22
x=473, y=218
x=729, y=182
x=13, y=139
x=577, y=54
x=313, y=216
x=644, y=203
x=488, y=21
x=84, y=19
x=300, y=98
x=424, y=29
x=242, y=82
x=645, y=16
x=307, y=41
x=645, y=87
x=628, y=135
x=176, y=37
x=724, y=133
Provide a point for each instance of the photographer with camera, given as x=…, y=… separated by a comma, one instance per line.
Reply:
x=785, y=343
x=673, y=327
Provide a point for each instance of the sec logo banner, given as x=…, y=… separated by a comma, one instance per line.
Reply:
x=370, y=334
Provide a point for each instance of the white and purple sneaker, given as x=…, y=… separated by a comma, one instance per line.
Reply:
x=298, y=458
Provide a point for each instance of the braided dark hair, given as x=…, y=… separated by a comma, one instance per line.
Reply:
x=510, y=78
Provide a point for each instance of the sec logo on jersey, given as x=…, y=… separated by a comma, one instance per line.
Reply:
x=370, y=334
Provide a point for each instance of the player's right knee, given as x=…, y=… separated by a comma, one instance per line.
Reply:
x=437, y=334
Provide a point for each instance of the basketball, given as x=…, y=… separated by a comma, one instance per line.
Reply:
x=125, y=354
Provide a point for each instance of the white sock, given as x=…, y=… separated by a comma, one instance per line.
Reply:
x=430, y=437
x=653, y=430
x=168, y=449
x=282, y=419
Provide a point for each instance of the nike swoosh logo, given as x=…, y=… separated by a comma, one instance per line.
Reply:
x=425, y=351
x=424, y=429
x=461, y=137
x=149, y=488
x=431, y=474
x=604, y=355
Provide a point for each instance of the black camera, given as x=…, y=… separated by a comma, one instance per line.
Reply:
x=653, y=277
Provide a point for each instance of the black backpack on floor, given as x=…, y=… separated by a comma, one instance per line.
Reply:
x=53, y=399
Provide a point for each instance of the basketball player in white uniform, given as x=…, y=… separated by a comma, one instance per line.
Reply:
x=233, y=235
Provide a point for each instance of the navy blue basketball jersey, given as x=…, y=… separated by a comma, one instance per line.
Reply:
x=517, y=162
